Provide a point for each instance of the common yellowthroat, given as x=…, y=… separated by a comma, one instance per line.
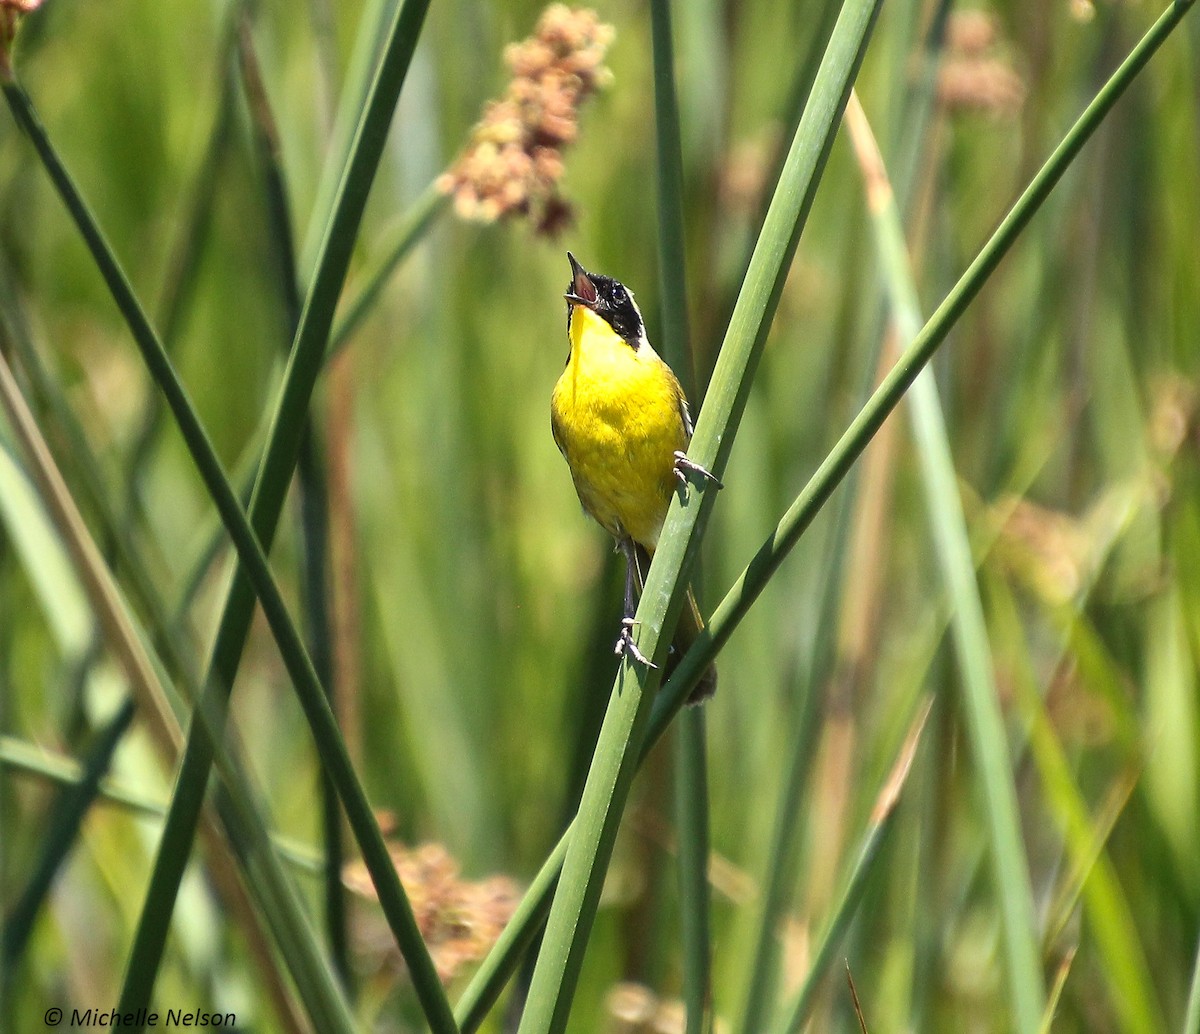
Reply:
x=620, y=418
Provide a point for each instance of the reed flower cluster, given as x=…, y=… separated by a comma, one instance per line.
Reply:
x=514, y=162
x=977, y=76
x=459, y=919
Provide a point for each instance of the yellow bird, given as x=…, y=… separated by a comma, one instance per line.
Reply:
x=620, y=419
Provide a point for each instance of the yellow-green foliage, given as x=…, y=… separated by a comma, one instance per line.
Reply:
x=475, y=607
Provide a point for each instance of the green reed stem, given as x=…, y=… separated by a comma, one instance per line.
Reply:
x=488, y=981
x=314, y=493
x=624, y=729
x=750, y=583
x=279, y=461
x=279, y=906
x=981, y=705
x=253, y=573
x=691, y=767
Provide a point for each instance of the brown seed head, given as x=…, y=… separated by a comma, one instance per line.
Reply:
x=977, y=76
x=459, y=919
x=513, y=164
x=971, y=33
x=1050, y=551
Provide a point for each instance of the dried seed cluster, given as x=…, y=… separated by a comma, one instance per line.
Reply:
x=977, y=75
x=514, y=161
x=459, y=919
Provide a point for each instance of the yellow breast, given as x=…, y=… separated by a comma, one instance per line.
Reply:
x=617, y=415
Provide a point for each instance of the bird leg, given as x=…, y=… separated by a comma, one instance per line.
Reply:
x=632, y=586
x=683, y=464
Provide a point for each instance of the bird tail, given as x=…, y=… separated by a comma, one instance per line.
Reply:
x=691, y=624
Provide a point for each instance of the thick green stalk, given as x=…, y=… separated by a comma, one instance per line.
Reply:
x=287, y=428
x=485, y=987
x=691, y=767
x=253, y=575
x=314, y=494
x=621, y=736
x=278, y=904
x=833, y=469
x=674, y=336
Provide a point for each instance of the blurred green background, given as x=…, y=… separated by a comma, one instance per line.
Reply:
x=476, y=607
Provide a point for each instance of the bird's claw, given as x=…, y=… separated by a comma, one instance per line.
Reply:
x=683, y=464
x=625, y=644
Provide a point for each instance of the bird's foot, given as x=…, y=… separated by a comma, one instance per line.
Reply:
x=683, y=464
x=625, y=644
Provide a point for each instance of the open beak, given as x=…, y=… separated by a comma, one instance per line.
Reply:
x=581, y=290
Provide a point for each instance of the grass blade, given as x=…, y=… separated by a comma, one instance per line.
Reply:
x=314, y=492
x=985, y=724
x=882, y=819
x=279, y=461
x=65, y=819
x=691, y=766
x=126, y=643
x=1056, y=990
